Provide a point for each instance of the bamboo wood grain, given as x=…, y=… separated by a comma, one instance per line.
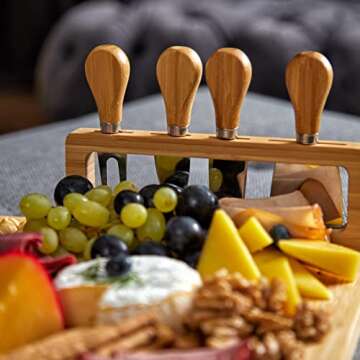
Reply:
x=107, y=71
x=308, y=78
x=179, y=71
x=340, y=343
x=83, y=142
x=228, y=74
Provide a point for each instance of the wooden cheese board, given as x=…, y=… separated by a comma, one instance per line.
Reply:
x=308, y=78
x=342, y=340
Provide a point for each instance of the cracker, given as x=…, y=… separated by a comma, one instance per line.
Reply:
x=69, y=344
x=141, y=337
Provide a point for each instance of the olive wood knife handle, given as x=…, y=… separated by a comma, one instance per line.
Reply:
x=308, y=78
x=228, y=74
x=178, y=71
x=107, y=72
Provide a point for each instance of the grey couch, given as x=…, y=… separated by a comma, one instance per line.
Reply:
x=269, y=31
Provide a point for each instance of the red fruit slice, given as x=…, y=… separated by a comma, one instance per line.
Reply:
x=22, y=242
x=29, y=307
x=29, y=243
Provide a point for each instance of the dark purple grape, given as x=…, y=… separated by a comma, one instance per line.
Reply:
x=279, y=232
x=71, y=184
x=180, y=178
x=108, y=246
x=198, y=202
x=150, y=248
x=176, y=188
x=126, y=197
x=118, y=265
x=183, y=235
x=147, y=192
x=191, y=258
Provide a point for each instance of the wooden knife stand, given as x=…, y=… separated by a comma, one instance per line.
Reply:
x=81, y=144
x=308, y=78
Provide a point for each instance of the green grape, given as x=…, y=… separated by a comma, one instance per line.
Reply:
x=59, y=218
x=101, y=194
x=123, y=232
x=165, y=199
x=60, y=251
x=87, y=250
x=105, y=187
x=134, y=244
x=133, y=215
x=154, y=227
x=215, y=179
x=124, y=185
x=50, y=241
x=35, y=225
x=74, y=199
x=35, y=206
x=73, y=240
x=92, y=214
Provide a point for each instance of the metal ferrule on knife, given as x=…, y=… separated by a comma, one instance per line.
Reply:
x=177, y=131
x=226, y=134
x=109, y=128
x=307, y=139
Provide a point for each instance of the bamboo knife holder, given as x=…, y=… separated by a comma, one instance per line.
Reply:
x=82, y=143
x=308, y=78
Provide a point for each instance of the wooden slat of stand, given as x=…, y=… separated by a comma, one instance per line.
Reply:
x=82, y=143
x=340, y=343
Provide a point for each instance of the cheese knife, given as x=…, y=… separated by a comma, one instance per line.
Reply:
x=308, y=78
x=228, y=74
x=178, y=71
x=107, y=70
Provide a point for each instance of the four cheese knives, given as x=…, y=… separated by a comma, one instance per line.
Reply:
x=178, y=71
x=107, y=71
x=228, y=75
x=308, y=78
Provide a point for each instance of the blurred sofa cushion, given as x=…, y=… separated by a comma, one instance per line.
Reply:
x=269, y=31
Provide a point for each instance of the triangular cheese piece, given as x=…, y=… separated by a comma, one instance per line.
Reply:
x=308, y=285
x=331, y=257
x=254, y=235
x=273, y=264
x=224, y=248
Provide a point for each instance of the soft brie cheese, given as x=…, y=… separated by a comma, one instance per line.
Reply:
x=154, y=278
x=158, y=277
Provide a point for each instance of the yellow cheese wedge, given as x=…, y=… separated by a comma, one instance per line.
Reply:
x=273, y=264
x=224, y=248
x=254, y=235
x=331, y=257
x=308, y=285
